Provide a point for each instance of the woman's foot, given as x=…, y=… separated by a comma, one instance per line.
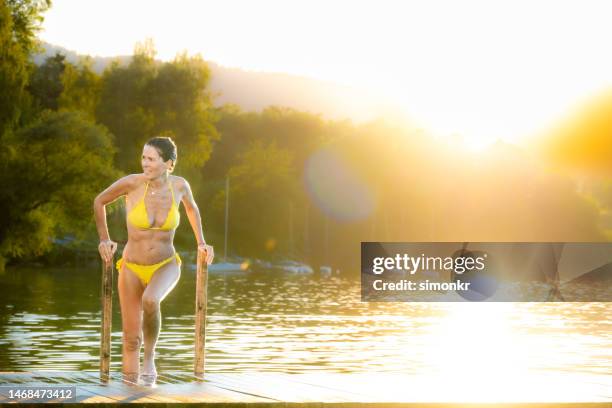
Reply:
x=148, y=380
x=148, y=366
x=130, y=378
x=148, y=374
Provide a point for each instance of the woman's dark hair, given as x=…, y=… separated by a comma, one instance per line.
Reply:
x=165, y=147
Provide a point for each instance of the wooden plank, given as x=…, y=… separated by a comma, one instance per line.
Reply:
x=121, y=392
x=117, y=393
x=206, y=392
x=117, y=377
x=83, y=394
x=26, y=379
x=56, y=377
x=271, y=388
x=93, y=395
x=169, y=393
x=343, y=389
x=98, y=399
x=107, y=316
x=182, y=377
x=299, y=390
x=171, y=378
x=200, y=313
x=163, y=380
x=323, y=381
x=13, y=378
x=186, y=392
x=88, y=377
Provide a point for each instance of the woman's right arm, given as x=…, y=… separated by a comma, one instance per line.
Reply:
x=119, y=188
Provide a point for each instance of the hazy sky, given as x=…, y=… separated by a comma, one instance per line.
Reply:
x=484, y=69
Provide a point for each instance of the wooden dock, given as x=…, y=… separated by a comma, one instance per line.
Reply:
x=265, y=389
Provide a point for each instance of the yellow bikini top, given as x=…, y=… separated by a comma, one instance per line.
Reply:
x=139, y=218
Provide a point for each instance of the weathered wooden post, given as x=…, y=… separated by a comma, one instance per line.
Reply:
x=107, y=317
x=200, y=314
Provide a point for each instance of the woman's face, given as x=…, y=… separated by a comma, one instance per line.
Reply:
x=153, y=164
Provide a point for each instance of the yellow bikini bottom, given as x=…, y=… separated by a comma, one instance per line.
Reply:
x=145, y=272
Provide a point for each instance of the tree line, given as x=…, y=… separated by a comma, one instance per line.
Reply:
x=301, y=186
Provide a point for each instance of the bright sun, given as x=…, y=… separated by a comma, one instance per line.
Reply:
x=457, y=69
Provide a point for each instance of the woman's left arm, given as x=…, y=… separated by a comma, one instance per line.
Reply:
x=193, y=213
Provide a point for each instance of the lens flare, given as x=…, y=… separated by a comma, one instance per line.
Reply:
x=335, y=188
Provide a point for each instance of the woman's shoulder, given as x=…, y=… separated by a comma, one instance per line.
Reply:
x=132, y=181
x=179, y=182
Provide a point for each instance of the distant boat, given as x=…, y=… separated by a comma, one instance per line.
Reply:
x=261, y=266
x=325, y=270
x=291, y=267
x=236, y=265
x=229, y=267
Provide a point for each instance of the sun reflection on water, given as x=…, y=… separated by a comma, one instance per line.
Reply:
x=319, y=327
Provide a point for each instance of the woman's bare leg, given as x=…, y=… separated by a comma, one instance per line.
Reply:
x=162, y=282
x=130, y=298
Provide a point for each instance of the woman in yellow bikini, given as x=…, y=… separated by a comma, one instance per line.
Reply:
x=150, y=267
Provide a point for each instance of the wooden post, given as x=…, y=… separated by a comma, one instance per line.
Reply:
x=107, y=317
x=200, y=314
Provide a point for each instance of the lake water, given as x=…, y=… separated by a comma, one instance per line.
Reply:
x=50, y=319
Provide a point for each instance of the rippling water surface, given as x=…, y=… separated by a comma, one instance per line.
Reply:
x=49, y=320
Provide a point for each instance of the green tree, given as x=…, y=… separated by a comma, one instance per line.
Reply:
x=262, y=183
x=238, y=131
x=55, y=168
x=46, y=82
x=122, y=108
x=19, y=22
x=148, y=98
x=299, y=134
x=80, y=88
x=182, y=107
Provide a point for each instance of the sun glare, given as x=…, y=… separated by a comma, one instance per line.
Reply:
x=451, y=67
x=476, y=346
